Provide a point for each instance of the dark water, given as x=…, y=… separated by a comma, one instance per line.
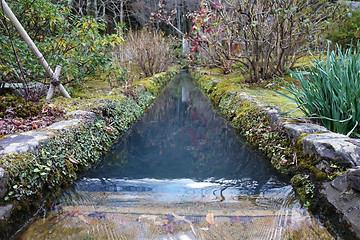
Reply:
x=181, y=173
x=181, y=136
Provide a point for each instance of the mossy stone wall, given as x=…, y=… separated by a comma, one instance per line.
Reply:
x=265, y=132
x=37, y=177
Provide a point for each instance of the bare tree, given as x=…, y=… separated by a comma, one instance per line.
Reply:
x=265, y=36
x=142, y=10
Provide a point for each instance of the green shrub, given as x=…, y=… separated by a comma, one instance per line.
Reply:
x=343, y=32
x=75, y=43
x=330, y=90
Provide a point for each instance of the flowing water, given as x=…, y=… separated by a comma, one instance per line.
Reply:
x=181, y=173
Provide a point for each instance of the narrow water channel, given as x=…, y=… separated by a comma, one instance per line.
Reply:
x=181, y=173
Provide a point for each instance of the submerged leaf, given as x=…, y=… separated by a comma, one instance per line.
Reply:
x=210, y=218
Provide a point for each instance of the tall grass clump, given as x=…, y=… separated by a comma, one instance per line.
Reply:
x=330, y=90
x=149, y=50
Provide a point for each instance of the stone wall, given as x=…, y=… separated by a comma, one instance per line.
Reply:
x=341, y=194
x=27, y=178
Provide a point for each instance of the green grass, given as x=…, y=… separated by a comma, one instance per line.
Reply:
x=263, y=91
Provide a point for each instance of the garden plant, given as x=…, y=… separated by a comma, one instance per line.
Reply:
x=330, y=90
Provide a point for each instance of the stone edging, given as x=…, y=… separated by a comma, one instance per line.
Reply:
x=342, y=193
x=110, y=119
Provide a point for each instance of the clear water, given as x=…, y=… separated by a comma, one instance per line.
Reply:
x=181, y=173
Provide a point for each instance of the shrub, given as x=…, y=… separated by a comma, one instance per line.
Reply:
x=342, y=32
x=149, y=50
x=73, y=42
x=264, y=36
x=330, y=90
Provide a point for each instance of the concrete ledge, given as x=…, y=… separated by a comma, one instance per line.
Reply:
x=80, y=114
x=64, y=124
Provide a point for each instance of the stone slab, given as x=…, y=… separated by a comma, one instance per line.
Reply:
x=80, y=114
x=295, y=129
x=353, y=178
x=5, y=211
x=23, y=142
x=345, y=201
x=274, y=114
x=337, y=147
x=4, y=177
x=64, y=124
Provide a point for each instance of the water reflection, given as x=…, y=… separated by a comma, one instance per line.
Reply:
x=180, y=174
x=182, y=137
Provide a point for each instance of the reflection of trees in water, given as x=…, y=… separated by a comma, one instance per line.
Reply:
x=181, y=136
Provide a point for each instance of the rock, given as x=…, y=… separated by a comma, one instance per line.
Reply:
x=337, y=147
x=19, y=88
x=353, y=178
x=345, y=201
x=80, y=114
x=294, y=130
x=64, y=124
x=274, y=114
x=23, y=142
x=5, y=211
x=323, y=166
x=4, y=177
x=340, y=183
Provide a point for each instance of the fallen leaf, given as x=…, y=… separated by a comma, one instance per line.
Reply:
x=168, y=228
x=51, y=105
x=82, y=218
x=210, y=218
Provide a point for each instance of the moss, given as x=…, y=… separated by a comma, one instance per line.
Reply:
x=262, y=91
x=304, y=187
x=41, y=174
x=253, y=123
